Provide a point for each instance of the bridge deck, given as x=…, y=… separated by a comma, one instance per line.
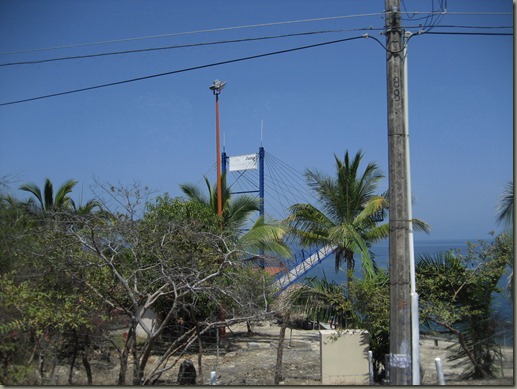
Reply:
x=303, y=267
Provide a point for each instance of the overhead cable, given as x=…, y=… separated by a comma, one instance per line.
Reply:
x=199, y=44
x=468, y=33
x=246, y=27
x=193, y=32
x=182, y=70
x=459, y=13
x=423, y=32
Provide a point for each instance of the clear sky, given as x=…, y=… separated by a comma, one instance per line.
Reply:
x=311, y=103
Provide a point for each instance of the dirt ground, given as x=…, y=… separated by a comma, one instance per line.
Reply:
x=249, y=359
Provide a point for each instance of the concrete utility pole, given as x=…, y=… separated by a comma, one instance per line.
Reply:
x=400, y=291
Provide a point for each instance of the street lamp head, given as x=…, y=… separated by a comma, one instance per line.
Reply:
x=217, y=86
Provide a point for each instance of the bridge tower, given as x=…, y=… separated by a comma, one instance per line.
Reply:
x=247, y=162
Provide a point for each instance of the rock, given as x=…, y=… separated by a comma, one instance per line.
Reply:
x=187, y=373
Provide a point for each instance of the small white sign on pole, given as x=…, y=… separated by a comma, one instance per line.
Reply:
x=243, y=162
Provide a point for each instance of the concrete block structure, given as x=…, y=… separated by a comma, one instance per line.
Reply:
x=344, y=357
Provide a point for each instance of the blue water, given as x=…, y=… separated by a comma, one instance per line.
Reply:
x=503, y=306
x=381, y=256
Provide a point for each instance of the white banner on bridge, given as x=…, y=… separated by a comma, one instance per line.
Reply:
x=243, y=162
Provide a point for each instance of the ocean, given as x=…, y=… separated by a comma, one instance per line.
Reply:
x=502, y=304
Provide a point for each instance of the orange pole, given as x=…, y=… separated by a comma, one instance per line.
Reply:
x=222, y=330
x=218, y=150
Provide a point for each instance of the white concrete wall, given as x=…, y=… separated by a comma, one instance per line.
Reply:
x=344, y=357
x=150, y=319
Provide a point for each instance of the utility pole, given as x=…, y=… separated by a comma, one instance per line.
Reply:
x=400, y=291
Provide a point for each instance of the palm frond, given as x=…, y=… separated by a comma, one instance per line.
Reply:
x=420, y=225
x=89, y=207
x=323, y=301
x=236, y=213
x=35, y=190
x=309, y=224
x=505, y=208
x=374, y=206
x=48, y=195
x=194, y=193
x=265, y=237
x=61, y=199
x=377, y=233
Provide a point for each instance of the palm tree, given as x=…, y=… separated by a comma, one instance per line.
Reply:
x=347, y=217
x=48, y=202
x=264, y=235
x=349, y=214
x=46, y=199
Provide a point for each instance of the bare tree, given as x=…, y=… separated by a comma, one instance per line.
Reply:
x=170, y=261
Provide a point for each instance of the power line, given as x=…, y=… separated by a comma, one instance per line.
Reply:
x=468, y=27
x=468, y=33
x=413, y=13
x=194, y=32
x=182, y=70
x=237, y=60
x=423, y=32
x=459, y=13
x=200, y=44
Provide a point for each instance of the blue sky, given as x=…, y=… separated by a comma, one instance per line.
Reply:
x=311, y=103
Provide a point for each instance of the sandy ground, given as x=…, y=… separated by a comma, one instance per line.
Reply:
x=250, y=359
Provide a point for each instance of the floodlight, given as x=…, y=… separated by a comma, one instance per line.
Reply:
x=217, y=86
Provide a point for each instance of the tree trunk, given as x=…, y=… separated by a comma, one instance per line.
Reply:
x=74, y=356
x=148, y=347
x=350, y=265
x=86, y=363
x=124, y=358
x=123, y=369
x=280, y=352
x=137, y=373
x=87, y=368
x=199, y=356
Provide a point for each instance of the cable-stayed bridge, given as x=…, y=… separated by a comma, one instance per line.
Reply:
x=279, y=186
x=286, y=278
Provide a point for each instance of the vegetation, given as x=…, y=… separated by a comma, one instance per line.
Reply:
x=363, y=304
x=68, y=273
x=42, y=308
x=263, y=236
x=456, y=294
x=172, y=261
x=236, y=211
